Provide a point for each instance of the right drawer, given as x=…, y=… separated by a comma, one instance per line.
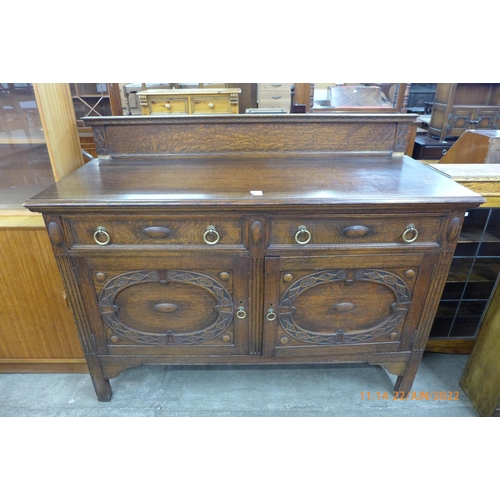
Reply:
x=400, y=229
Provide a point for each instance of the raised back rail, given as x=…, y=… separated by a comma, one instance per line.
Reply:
x=343, y=134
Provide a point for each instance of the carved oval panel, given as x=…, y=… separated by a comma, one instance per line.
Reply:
x=166, y=307
x=337, y=306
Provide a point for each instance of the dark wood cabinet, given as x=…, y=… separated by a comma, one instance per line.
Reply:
x=462, y=106
x=420, y=95
x=253, y=240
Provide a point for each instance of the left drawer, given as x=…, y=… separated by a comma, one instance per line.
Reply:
x=100, y=232
x=167, y=106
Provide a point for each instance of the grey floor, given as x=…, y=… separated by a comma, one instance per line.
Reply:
x=318, y=391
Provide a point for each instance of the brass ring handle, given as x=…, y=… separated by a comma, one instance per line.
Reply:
x=213, y=231
x=271, y=315
x=410, y=229
x=101, y=231
x=168, y=105
x=241, y=313
x=302, y=230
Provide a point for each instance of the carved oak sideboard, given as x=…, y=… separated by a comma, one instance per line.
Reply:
x=254, y=240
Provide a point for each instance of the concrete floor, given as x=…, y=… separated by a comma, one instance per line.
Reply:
x=318, y=391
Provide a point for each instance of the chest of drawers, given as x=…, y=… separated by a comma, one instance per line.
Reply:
x=274, y=95
x=253, y=240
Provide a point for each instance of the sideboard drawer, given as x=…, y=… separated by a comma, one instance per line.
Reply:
x=207, y=232
x=169, y=105
x=362, y=230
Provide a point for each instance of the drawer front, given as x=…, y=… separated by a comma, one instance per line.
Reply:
x=275, y=87
x=208, y=105
x=275, y=102
x=434, y=152
x=168, y=106
x=208, y=232
x=356, y=230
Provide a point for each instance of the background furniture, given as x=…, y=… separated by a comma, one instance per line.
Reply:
x=253, y=239
x=274, y=95
x=421, y=94
x=247, y=98
x=462, y=106
x=428, y=148
x=475, y=146
x=189, y=101
x=37, y=331
x=469, y=290
x=94, y=99
x=393, y=99
x=481, y=377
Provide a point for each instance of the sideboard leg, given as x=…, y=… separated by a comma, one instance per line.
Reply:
x=102, y=386
x=404, y=382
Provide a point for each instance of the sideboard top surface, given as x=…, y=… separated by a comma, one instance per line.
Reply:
x=266, y=182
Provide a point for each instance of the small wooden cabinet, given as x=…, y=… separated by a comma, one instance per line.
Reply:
x=189, y=101
x=462, y=106
x=253, y=240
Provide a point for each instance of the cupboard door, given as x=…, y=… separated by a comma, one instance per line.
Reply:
x=342, y=305
x=459, y=121
x=170, y=306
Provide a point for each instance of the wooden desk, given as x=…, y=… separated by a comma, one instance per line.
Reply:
x=253, y=240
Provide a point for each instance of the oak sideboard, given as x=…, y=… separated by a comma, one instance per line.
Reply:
x=253, y=239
